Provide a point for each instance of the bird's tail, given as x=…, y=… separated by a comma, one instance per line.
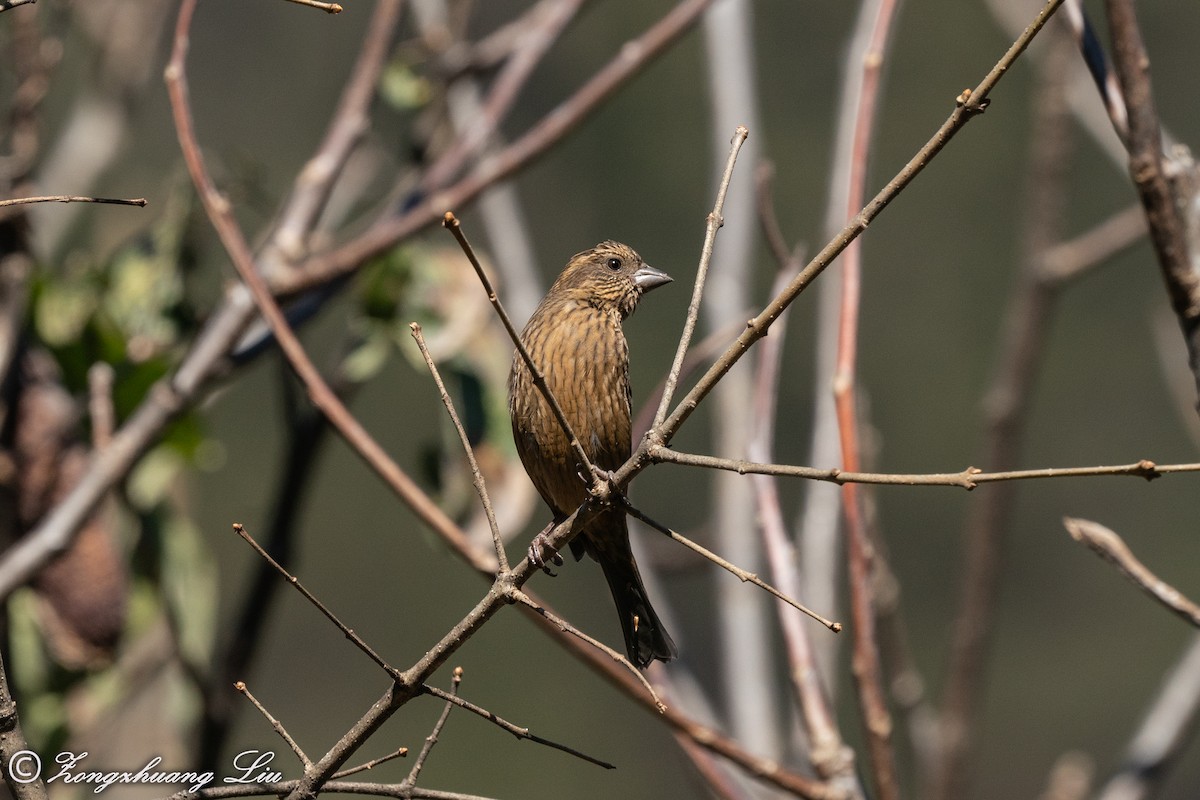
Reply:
x=645, y=637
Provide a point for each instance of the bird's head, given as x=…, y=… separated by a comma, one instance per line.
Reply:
x=611, y=275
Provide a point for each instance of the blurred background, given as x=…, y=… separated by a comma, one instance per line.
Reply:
x=1076, y=652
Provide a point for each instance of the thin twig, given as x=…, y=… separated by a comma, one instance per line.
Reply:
x=5, y=5
x=767, y=770
x=432, y=738
x=567, y=627
x=451, y=223
x=703, y=352
x=738, y=572
x=410, y=684
x=328, y=8
x=475, y=119
x=1109, y=546
x=306, y=429
x=968, y=478
x=349, y=633
x=66, y=198
x=476, y=474
x=276, y=725
x=372, y=764
x=712, y=225
x=515, y=730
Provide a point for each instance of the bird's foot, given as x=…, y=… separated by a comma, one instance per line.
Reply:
x=540, y=551
x=604, y=485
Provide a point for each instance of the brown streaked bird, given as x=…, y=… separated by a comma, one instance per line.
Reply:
x=575, y=339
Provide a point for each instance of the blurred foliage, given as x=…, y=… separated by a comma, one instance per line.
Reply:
x=131, y=311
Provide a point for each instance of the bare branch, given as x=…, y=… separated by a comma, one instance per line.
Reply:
x=515, y=730
x=432, y=738
x=968, y=478
x=348, y=632
x=275, y=724
x=1147, y=167
x=451, y=223
x=567, y=627
x=66, y=198
x=171, y=395
x=328, y=8
x=741, y=574
x=712, y=225
x=476, y=474
x=375, y=762
x=1109, y=546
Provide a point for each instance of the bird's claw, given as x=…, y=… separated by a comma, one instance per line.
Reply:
x=540, y=550
x=604, y=484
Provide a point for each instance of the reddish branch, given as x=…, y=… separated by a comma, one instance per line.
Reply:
x=865, y=661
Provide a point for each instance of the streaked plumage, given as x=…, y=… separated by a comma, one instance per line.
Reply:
x=576, y=340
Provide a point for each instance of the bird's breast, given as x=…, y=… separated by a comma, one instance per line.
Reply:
x=583, y=355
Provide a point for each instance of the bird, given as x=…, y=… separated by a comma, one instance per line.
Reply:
x=575, y=339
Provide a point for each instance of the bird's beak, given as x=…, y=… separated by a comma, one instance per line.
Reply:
x=647, y=278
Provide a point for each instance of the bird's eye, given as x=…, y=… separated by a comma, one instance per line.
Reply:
x=614, y=264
